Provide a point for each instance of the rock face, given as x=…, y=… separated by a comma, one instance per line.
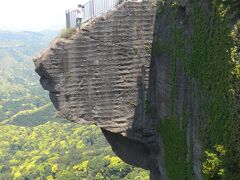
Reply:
x=190, y=79
x=160, y=118
x=100, y=76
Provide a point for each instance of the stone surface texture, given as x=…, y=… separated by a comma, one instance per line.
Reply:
x=100, y=76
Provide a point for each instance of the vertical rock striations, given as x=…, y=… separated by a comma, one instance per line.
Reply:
x=193, y=90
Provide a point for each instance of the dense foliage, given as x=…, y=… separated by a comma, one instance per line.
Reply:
x=213, y=167
x=61, y=151
x=34, y=143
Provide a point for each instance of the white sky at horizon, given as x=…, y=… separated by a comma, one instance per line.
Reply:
x=35, y=15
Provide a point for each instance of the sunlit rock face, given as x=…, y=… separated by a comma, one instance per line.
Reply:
x=100, y=76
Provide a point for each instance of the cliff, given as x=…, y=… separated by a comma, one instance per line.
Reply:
x=194, y=88
x=167, y=118
x=100, y=75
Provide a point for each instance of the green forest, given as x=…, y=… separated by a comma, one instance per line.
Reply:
x=34, y=142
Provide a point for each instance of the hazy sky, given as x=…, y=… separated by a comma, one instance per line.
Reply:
x=34, y=15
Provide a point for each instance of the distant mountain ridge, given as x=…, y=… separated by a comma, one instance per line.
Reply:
x=17, y=77
x=18, y=48
x=26, y=42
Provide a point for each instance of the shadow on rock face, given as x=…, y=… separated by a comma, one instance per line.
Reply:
x=131, y=151
x=48, y=84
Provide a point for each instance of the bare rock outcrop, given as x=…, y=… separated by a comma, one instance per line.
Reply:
x=100, y=76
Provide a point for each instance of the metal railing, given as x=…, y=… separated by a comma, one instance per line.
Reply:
x=92, y=8
x=71, y=16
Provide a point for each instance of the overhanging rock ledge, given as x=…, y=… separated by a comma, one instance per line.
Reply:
x=100, y=76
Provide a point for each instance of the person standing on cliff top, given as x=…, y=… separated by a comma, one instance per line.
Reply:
x=79, y=16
